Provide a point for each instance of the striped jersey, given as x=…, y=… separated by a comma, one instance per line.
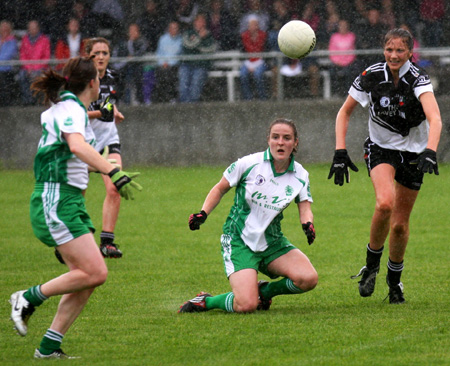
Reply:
x=260, y=198
x=54, y=162
x=396, y=117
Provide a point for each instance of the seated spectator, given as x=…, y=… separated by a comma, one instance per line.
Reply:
x=8, y=52
x=185, y=13
x=253, y=40
x=131, y=73
x=343, y=66
x=34, y=46
x=170, y=44
x=222, y=26
x=255, y=9
x=152, y=24
x=192, y=74
x=71, y=45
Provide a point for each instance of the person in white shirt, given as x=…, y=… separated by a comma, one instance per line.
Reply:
x=252, y=241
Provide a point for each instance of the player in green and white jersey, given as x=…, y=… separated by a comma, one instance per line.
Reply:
x=252, y=241
x=57, y=209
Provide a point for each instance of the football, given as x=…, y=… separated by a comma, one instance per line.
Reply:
x=296, y=39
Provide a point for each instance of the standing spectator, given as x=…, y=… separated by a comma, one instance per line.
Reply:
x=170, y=44
x=255, y=9
x=370, y=34
x=343, y=66
x=53, y=15
x=8, y=51
x=152, y=24
x=87, y=20
x=109, y=14
x=432, y=13
x=192, y=74
x=34, y=46
x=185, y=13
x=71, y=45
x=222, y=25
x=253, y=40
x=279, y=17
x=132, y=72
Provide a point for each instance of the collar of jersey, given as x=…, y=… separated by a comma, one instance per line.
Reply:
x=403, y=70
x=66, y=95
x=268, y=157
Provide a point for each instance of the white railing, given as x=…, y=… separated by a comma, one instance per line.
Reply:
x=227, y=64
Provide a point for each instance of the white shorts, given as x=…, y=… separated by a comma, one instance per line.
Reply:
x=105, y=133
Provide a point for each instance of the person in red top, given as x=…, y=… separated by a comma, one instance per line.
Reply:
x=34, y=46
x=71, y=45
x=253, y=40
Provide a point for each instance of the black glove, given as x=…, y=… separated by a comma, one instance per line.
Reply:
x=427, y=162
x=195, y=220
x=107, y=110
x=309, y=231
x=339, y=167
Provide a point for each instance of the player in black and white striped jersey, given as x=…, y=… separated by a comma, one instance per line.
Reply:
x=404, y=132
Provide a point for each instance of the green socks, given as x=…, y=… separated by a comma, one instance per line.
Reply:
x=224, y=302
x=284, y=286
x=34, y=295
x=51, y=342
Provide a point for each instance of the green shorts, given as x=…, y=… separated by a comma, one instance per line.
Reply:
x=58, y=213
x=237, y=255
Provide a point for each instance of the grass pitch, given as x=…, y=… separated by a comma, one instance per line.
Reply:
x=133, y=320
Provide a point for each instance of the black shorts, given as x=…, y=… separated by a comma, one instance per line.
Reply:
x=113, y=149
x=406, y=173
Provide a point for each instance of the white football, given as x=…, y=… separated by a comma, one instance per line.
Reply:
x=296, y=39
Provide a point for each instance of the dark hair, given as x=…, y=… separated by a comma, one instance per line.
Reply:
x=77, y=74
x=284, y=121
x=404, y=34
x=92, y=41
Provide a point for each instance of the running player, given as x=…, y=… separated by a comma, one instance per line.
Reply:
x=104, y=116
x=57, y=209
x=252, y=241
x=404, y=132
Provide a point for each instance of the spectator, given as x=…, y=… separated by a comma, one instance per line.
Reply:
x=131, y=73
x=329, y=24
x=152, y=24
x=86, y=19
x=279, y=17
x=192, y=74
x=185, y=13
x=343, y=66
x=34, y=46
x=416, y=44
x=253, y=40
x=109, y=14
x=222, y=26
x=255, y=9
x=71, y=45
x=432, y=13
x=52, y=18
x=170, y=44
x=370, y=34
x=8, y=52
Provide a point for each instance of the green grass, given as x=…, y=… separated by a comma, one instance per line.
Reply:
x=133, y=320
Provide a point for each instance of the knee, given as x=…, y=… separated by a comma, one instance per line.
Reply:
x=112, y=192
x=98, y=277
x=399, y=228
x=308, y=281
x=384, y=207
x=247, y=305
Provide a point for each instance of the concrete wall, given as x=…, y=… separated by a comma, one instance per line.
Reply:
x=206, y=133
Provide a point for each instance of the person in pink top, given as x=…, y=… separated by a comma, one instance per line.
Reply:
x=342, y=68
x=34, y=46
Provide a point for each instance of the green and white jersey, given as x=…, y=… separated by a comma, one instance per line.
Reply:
x=54, y=162
x=261, y=196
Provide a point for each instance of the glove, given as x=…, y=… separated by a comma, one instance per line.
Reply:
x=309, y=231
x=427, y=162
x=340, y=165
x=107, y=110
x=195, y=220
x=123, y=182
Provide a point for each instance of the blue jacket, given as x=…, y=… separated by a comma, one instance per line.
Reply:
x=8, y=51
